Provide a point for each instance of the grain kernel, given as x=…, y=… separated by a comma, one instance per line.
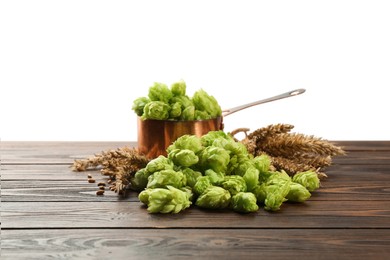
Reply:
x=100, y=192
x=101, y=184
x=90, y=180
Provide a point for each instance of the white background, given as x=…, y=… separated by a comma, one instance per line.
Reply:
x=70, y=70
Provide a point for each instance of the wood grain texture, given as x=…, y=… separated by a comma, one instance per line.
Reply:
x=48, y=211
x=53, y=152
x=196, y=244
x=314, y=214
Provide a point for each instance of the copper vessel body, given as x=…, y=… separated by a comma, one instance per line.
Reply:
x=154, y=136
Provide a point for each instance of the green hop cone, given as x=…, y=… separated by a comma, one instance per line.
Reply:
x=189, y=192
x=209, y=138
x=160, y=92
x=186, y=142
x=202, y=184
x=156, y=110
x=251, y=178
x=262, y=163
x=276, y=195
x=179, y=88
x=175, y=110
x=143, y=196
x=184, y=101
x=278, y=178
x=207, y=103
x=215, y=177
x=234, y=184
x=201, y=115
x=169, y=200
x=214, y=158
x=297, y=193
x=260, y=191
x=158, y=164
x=188, y=113
x=214, y=197
x=140, y=180
x=166, y=178
x=183, y=157
x=139, y=104
x=244, y=202
x=191, y=176
x=308, y=179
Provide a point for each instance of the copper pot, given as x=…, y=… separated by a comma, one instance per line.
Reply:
x=154, y=136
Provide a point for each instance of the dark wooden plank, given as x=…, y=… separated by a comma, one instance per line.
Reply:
x=311, y=214
x=68, y=190
x=45, y=172
x=196, y=244
x=53, y=152
x=363, y=158
x=364, y=145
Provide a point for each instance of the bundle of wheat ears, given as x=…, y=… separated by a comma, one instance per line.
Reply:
x=291, y=152
x=120, y=165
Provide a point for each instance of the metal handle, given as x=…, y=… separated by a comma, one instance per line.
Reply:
x=281, y=96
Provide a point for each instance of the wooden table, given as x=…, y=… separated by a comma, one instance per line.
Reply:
x=48, y=211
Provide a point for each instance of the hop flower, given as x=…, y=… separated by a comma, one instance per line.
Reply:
x=244, y=202
x=169, y=200
x=214, y=197
x=297, y=193
x=307, y=179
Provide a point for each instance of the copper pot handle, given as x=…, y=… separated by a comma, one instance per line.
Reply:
x=281, y=96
